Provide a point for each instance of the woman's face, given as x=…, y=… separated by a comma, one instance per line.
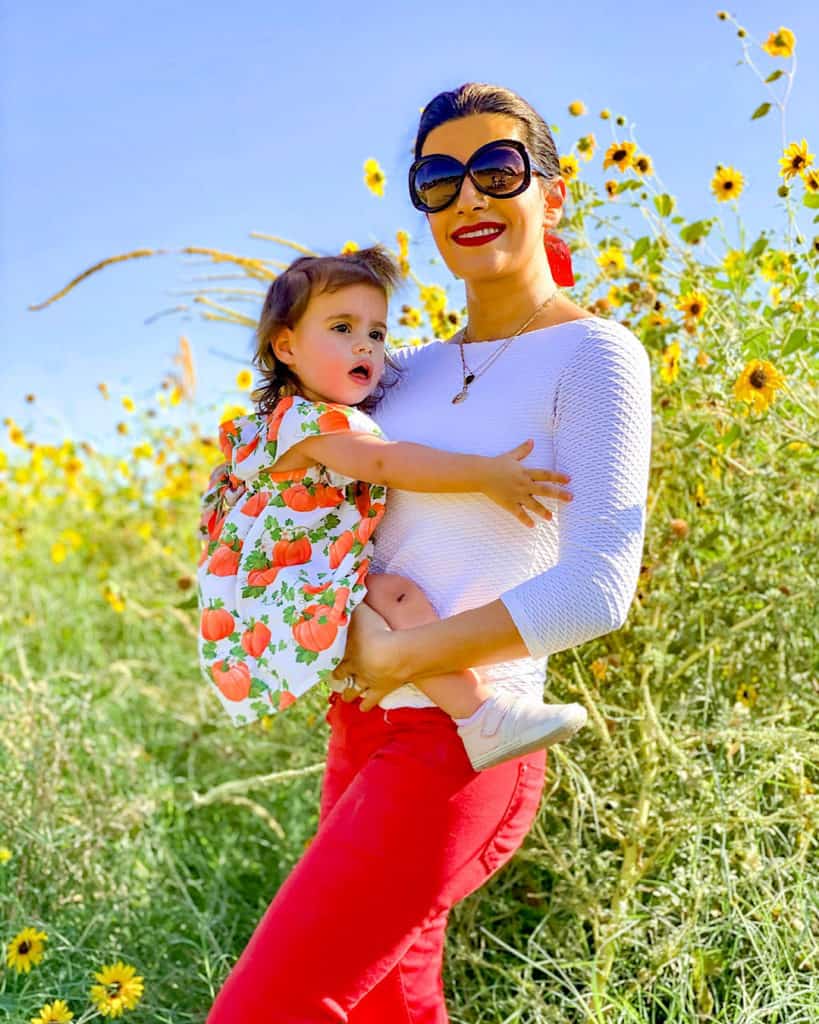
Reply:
x=336, y=349
x=519, y=221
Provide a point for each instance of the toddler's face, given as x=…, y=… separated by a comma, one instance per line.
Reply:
x=337, y=348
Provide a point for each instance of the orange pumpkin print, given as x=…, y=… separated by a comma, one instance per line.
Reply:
x=262, y=577
x=333, y=421
x=299, y=499
x=285, y=700
x=329, y=497
x=226, y=429
x=216, y=623
x=318, y=627
x=367, y=526
x=340, y=548
x=312, y=591
x=363, y=569
x=233, y=682
x=276, y=417
x=362, y=498
x=225, y=561
x=247, y=449
x=256, y=639
x=253, y=506
x=292, y=552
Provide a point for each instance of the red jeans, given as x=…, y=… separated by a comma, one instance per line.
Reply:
x=407, y=828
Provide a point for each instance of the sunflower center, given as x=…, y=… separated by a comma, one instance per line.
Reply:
x=695, y=309
x=24, y=948
x=114, y=988
x=798, y=161
x=727, y=185
x=757, y=378
x=619, y=154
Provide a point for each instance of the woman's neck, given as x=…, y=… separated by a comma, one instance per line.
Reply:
x=497, y=306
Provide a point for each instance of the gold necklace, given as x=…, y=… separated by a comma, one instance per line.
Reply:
x=472, y=375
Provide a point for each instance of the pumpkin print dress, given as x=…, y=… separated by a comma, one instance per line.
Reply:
x=285, y=559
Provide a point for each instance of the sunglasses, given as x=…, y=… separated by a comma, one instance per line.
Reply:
x=501, y=168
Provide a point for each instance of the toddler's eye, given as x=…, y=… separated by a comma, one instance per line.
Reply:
x=336, y=326
x=379, y=335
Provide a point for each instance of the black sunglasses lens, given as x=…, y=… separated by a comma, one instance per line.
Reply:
x=499, y=170
x=437, y=181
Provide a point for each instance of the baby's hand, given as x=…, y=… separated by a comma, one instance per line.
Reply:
x=516, y=487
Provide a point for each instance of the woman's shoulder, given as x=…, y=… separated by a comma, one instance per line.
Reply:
x=601, y=340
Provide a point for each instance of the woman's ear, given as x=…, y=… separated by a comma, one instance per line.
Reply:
x=554, y=198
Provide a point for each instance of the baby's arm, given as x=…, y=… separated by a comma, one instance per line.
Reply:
x=417, y=467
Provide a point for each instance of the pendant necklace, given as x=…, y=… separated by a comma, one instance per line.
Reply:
x=470, y=376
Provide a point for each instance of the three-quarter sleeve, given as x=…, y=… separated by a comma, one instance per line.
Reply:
x=602, y=439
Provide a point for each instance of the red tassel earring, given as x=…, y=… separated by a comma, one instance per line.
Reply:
x=560, y=260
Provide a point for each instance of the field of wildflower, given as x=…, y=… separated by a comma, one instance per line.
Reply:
x=672, y=874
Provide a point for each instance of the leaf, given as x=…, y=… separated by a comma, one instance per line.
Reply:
x=759, y=246
x=728, y=439
x=796, y=339
x=640, y=247
x=664, y=204
x=694, y=232
x=774, y=75
x=811, y=200
x=760, y=111
x=191, y=602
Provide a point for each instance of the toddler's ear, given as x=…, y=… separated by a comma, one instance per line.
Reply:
x=282, y=346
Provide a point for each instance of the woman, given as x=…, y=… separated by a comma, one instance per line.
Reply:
x=407, y=828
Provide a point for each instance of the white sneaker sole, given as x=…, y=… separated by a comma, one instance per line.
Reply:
x=531, y=741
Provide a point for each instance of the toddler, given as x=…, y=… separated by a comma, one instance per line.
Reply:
x=289, y=517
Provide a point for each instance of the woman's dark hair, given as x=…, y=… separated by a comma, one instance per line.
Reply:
x=287, y=299
x=482, y=98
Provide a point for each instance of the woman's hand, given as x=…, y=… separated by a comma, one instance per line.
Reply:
x=515, y=487
x=370, y=657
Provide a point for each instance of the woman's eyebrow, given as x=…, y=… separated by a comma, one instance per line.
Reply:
x=352, y=316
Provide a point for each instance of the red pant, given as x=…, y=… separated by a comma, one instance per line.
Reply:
x=407, y=828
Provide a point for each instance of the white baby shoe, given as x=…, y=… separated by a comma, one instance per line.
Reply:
x=505, y=727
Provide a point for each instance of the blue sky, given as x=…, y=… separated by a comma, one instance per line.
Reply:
x=164, y=125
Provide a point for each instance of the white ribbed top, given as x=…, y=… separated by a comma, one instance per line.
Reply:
x=582, y=392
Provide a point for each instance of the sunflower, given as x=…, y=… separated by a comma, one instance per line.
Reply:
x=585, y=146
x=128, y=404
x=611, y=188
x=349, y=247
x=611, y=259
x=811, y=180
x=796, y=160
x=703, y=359
x=433, y=298
x=619, y=155
x=120, y=988
x=410, y=317
x=5, y=854
x=746, y=694
x=642, y=164
x=733, y=262
x=671, y=363
x=693, y=305
x=605, y=114
x=244, y=378
x=26, y=950
x=403, y=251
x=727, y=183
x=53, y=1013
x=577, y=108
x=757, y=384
x=374, y=177
x=781, y=43
x=569, y=167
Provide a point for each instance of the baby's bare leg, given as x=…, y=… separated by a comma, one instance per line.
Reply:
x=403, y=605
